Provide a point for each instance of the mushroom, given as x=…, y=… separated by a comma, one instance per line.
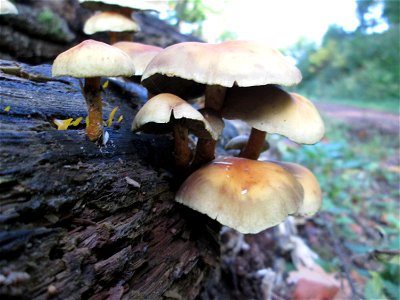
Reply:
x=270, y=109
x=165, y=113
x=114, y=23
x=140, y=54
x=191, y=69
x=7, y=8
x=91, y=60
x=243, y=194
x=312, y=191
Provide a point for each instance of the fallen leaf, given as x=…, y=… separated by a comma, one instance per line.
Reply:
x=313, y=283
x=105, y=84
x=7, y=109
x=76, y=122
x=121, y=117
x=308, y=289
x=62, y=124
x=111, y=117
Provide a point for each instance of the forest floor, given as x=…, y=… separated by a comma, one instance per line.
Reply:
x=386, y=121
x=351, y=248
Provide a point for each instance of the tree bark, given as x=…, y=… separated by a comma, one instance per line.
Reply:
x=72, y=224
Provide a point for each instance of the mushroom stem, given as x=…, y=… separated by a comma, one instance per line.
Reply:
x=182, y=150
x=92, y=94
x=205, y=152
x=205, y=149
x=255, y=144
x=214, y=97
x=114, y=37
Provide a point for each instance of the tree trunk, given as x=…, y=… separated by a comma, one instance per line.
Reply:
x=73, y=222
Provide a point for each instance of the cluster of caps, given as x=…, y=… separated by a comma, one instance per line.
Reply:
x=242, y=193
x=238, y=80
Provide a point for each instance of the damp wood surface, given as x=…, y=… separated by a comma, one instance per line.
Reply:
x=72, y=224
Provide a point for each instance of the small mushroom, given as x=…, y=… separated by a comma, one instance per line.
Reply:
x=312, y=191
x=140, y=54
x=7, y=8
x=243, y=194
x=269, y=109
x=165, y=113
x=115, y=24
x=91, y=60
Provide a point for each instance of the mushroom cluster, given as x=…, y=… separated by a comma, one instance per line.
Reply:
x=240, y=80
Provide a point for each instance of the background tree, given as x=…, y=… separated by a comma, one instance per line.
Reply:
x=363, y=64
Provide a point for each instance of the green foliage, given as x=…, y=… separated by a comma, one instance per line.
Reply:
x=355, y=182
x=51, y=22
x=227, y=35
x=354, y=65
x=189, y=11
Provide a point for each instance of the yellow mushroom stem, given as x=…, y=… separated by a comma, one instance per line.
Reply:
x=255, y=144
x=116, y=37
x=182, y=151
x=92, y=94
x=205, y=149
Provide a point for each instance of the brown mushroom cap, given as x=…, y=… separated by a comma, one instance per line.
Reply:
x=183, y=69
x=312, y=191
x=7, y=8
x=93, y=59
x=244, y=194
x=109, y=22
x=269, y=108
x=140, y=54
x=158, y=113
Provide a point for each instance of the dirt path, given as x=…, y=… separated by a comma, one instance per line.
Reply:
x=387, y=122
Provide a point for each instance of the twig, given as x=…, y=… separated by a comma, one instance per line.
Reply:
x=338, y=251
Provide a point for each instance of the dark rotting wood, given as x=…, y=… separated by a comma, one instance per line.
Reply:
x=71, y=225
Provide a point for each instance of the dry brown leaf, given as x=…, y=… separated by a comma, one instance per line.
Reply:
x=314, y=284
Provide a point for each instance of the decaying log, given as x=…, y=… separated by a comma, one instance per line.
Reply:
x=82, y=221
x=45, y=28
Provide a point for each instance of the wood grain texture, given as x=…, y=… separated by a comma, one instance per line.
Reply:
x=71, y=227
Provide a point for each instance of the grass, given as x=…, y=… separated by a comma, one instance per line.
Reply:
x=359, y=174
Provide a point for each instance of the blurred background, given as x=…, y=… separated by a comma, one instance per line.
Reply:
x=349, y=54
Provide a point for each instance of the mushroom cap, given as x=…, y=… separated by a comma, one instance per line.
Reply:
x=244, y=194
x=271, y=109
x=109, y=21
x=93, y=59
x=7, y=8
x=120, y=4
x=140, y=54
x=183, y=69
x=312, y=200
x=159, y=112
